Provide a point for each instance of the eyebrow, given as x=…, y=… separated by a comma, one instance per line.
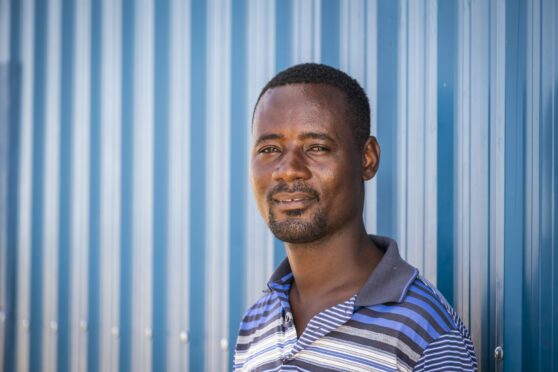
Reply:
x=316, y=135
x=302, y=136
x=267, y=137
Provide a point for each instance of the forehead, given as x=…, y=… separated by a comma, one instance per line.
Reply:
x=319, y=106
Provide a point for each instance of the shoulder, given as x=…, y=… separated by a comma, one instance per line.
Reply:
x=265, y=309
x=260, y=323
x=414, y=327
x=451, y=347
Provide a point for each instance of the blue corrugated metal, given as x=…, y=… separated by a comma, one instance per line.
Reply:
x=129, y=239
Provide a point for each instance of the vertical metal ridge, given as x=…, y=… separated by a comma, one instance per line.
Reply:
x=306, y=31
x=218, y=177
x=160, y=212
x=461, y=259
x=5, y=25
x=51, y=186
x=534, y=253
x=198, y=165
x=178, y=277
x=401, y=128
x=143, y=171
x=260, y=36
x=25, y=188
x=413, y=137
x=110, y=180
x=497, y=175
x=79, y=230
x=371, y=87
x=6, y=126
x=430, y=215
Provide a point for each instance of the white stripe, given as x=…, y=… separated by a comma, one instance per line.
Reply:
x=401, y=130
x=354, y=349
x=387, y=339
x=25, y=189
x=413, y=136
x=51, y=190
x=218, y=114
x=178, y=264
x=430, y=217
x=327, y=361
x=497, y=164
x=109, y=303
x=5, y=124
x=306, y=33
x=5, y=12
x=80, y=188
x=142, y=235
x=260, y=331
x=462, y=162
x=260, y=66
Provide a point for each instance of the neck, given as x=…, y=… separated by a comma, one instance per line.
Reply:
x=338, y=264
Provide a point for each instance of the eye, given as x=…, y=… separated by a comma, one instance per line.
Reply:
x=268, y=150
x=318, y=148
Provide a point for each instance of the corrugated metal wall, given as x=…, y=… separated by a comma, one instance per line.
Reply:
x=129, y=239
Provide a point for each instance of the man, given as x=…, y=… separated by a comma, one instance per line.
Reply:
x=343, y=300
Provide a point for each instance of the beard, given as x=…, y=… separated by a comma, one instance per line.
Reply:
x=293, y=230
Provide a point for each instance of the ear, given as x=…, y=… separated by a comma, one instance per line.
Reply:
x=370, y=158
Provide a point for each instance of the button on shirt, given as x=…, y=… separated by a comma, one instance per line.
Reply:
x=396, y=322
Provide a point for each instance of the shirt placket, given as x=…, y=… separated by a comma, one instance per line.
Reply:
x=321, y=325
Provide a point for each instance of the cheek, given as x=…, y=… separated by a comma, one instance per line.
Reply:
x=259, y=185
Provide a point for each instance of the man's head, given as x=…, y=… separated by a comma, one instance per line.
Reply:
x=357, y=105
x=311, y=153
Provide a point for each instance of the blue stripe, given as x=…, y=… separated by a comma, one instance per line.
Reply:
x=329, y=35
x=421, y=289
x=12, y=202
x=39, y=73
x=413, y=316
x=397, y=326
x=66, y=130
x=262, y=322
x=445, y=157
x=515, y=335
x=13, y=83
x=95, y=187
x=283, y=35
x=15, y=31
x=238, y=166
x=386, y=117
x=429, y=309
x=262, y=309
x=160, y=187
x=197, y=185
x=281, y=288
x=126, y=185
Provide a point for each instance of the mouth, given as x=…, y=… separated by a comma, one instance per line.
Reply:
x=289, y=201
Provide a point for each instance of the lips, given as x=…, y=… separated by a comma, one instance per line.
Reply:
x=285, y=197
x=296, y=196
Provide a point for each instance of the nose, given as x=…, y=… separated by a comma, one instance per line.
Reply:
x=291, y=167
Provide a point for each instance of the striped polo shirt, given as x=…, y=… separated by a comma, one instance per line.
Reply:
x=396, y=322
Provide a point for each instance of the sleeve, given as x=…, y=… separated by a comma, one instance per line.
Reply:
x=449, y=352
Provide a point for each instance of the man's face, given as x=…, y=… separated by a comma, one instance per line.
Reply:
x=305, y=168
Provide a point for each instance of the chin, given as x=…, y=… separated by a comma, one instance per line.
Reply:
x=296, y=230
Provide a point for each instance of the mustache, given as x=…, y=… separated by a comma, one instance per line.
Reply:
x=297, y=186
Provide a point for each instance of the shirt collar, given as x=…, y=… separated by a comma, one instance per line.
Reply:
x=389, y=281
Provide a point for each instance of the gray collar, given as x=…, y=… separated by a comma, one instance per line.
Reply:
x=389, y=281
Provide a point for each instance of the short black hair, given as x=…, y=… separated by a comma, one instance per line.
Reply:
x=316, y=73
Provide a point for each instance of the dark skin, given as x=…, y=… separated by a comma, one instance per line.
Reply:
x=301, y=135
